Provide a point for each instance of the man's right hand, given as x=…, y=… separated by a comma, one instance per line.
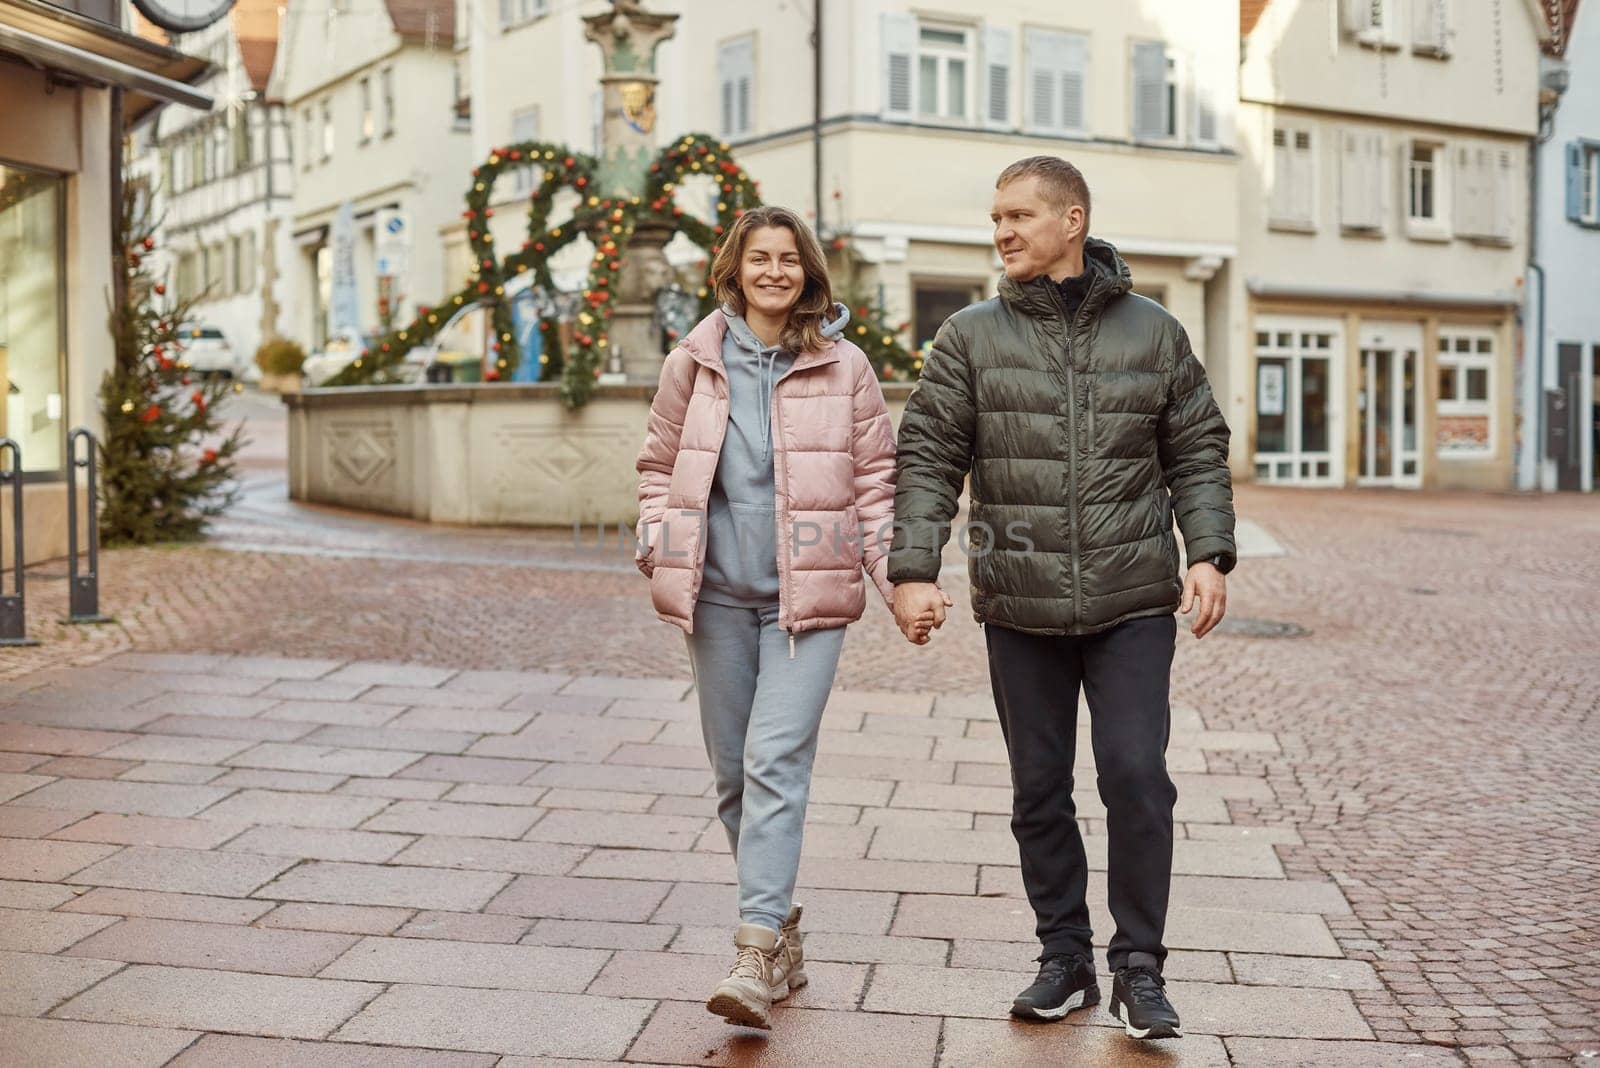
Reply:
x=919, y=609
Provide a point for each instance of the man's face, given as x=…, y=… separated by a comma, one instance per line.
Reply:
x=1031, y=237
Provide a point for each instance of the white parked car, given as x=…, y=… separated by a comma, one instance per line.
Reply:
x=207, y=351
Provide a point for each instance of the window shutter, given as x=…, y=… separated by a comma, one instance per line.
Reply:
x=997, y=53
x=1430, y=29
x=1150, y=90
x=1304, y=178
x=1575, y=203
x=1467, y=190
x=1363, y=180
x=1044, y=84
x=1283, y=176
x=1379, y=180
x=725, y=81
x=899, y=54
x=1357, y=15
x=1211, y=95
x=735, y=73
x=1352, y=183
x=1505, y=199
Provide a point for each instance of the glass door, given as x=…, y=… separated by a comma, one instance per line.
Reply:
x=1389, y=403
x=1296, y=417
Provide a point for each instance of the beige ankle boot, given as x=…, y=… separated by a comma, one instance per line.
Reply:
x=758, y=978
x=794, y=944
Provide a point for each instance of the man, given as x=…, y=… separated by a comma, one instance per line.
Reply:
x=1087, y=424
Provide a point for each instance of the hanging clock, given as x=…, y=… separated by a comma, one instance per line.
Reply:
x=183, y=16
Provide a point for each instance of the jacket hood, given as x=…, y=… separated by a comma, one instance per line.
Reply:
x=1110, y=279
x=705, y=339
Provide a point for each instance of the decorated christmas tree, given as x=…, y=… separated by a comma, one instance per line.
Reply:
x=166, y=459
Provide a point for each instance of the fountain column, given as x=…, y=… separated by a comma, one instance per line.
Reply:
x=628, y=37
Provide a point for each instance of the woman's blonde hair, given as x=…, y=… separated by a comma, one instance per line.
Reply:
x=803, y=331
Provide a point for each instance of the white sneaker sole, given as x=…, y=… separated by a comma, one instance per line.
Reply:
x=1028, y=1012
x=741, y=1013
x=1142, y=1032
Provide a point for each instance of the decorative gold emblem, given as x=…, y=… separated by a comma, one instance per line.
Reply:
x=639, y=106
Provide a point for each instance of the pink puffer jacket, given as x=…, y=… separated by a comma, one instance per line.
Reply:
x=833, y=468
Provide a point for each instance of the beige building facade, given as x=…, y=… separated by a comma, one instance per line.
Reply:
x=920, y=109
x=369, y=90
x=1384, y=228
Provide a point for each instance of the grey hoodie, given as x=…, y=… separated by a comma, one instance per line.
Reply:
x=741, y=513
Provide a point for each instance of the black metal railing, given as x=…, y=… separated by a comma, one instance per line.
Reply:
x=83, y=585
x=13, y=606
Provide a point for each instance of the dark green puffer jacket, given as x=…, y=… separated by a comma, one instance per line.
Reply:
x=1083, y=441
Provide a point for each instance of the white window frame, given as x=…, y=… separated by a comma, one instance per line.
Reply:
x=1460, y=404
x=1373, y=23
x=369, y=122
x=736, y=90
x=1303, y=171
x=514, y=13
x=327, y=129
x=1072, y=53
x=1179, y=105
x=1432, y=28
x=525, y=126
x=1435, y=227
x=1296, y=466
x=943, y=56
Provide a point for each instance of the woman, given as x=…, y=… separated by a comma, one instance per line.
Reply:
x=766, y=485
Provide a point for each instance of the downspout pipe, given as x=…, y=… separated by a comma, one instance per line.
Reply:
x=816, y=110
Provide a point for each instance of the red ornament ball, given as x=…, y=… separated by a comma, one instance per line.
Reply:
x=149, y=243
x=151, y=414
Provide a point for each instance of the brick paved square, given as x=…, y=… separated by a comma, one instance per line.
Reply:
x=386, y=737
x=342, y=919
x=446, y=817
x=129, y=798
x=373, y=673
x=490, y=854
x=35, y=981
x=17, y=821
x=28, y=931
x=984, y=1043
x=296, y=809
x=208, y=1000
x=72, y=1044
x=624, y=900
x=26, y=858
x=533, y=1024
x=473, y=768
x=112, y=901
x=249, y=730
x=298, y=757
x=393, y=884
x=465, y=927
x=230, y=1051
x=598, y=934
x=684, y=1033
x=335, y=713
x=437, y=962
x=230, y=947
x=26, y=738
x=150, y=830
x=184, y=871
x=318, y=844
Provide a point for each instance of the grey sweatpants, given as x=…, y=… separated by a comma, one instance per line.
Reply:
x=760, y=712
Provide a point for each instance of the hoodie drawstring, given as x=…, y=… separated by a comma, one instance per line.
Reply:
x=791, y=645
x=769, y=368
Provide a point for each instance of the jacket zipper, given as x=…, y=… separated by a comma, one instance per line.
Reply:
x=1072, y=481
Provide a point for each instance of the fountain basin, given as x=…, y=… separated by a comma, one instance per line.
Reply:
x=480, y=455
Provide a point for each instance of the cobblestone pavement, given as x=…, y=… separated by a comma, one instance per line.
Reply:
x=1387, y=847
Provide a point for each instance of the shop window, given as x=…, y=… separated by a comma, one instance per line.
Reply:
x=1295, y=400
x=933, y=303
x=32, y=329
x=1466, y=393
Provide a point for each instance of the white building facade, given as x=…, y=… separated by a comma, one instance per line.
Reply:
x=918, y=115
x=1385, y=229
x=370, y=93
x=224, y=185
x=1562, y=388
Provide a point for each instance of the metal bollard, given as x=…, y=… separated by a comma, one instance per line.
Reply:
x=13, y=610
x=83, y=587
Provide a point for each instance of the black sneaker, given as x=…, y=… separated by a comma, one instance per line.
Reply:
x=1066, y=982
x=1140, y=1002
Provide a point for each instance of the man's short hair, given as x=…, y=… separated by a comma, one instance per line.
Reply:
x=1060, y=183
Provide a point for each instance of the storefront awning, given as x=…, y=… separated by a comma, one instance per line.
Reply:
x=94, y=53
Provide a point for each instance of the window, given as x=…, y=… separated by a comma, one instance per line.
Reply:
x=944, y=58
x=369, y=121
x=1371, y=22
x=1157, y=92
x=386, y=89
x=517, y=12
x=242, y=149
x=524, y=127
x=1430, y=27
x=736, y=65
x=1466, y=393
x=1363, y=162
x=32, y=322
x=1427, y=190
x=1296, y=400
x=1293, y=200
x=1583, y=182
x=308, y=139
x=1484, y=195
x=997, y=59
x=327, y=130
x=1057, y=86
x=934, y=302
x=236, y=265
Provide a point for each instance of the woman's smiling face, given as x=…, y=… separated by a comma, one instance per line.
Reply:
x=770, y=275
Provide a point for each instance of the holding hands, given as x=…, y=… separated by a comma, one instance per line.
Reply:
x=919, y=610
